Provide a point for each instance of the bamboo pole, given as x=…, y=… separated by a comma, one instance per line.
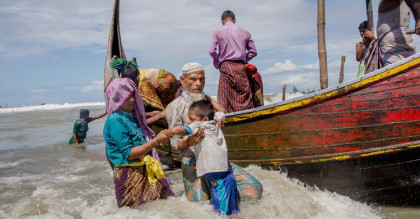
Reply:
x=369, y=14
x=284, y=92
x=343, y=59
x=322, y=51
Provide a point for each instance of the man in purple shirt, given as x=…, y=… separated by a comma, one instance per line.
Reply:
x=234, y=92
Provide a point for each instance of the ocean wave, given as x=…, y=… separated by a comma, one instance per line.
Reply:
x=49, y=107
x=269, y=98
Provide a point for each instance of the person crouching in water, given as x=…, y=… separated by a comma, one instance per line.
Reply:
x=211, y=155
x=81, y=127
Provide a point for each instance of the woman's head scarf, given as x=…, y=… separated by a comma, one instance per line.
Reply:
x=117, y=92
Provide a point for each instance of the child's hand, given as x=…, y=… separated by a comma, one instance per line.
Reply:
x=161, y=138
x=220, y=123
x=369, y=34
x=168, y=133
x=196, y=138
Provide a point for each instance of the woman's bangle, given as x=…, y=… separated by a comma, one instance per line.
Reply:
x=155, y=142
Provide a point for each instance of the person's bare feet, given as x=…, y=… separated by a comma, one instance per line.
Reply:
x=134, y=59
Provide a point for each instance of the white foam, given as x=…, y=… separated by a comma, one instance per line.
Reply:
x=269, y=98
x=277, y=97
x=49, y=107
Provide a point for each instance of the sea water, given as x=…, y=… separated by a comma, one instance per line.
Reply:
x=41, y=176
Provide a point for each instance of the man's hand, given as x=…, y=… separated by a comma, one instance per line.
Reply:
x=369, y=34
x=418, y=28
x=196, y=138
x=153, y=113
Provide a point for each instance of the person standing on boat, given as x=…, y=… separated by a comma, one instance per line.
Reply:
x=392, y=43
x=197, y=188
x=233, y=42
x=81, y=126
x=362, y=47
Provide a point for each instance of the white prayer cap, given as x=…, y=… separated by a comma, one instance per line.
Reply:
x=191, y=67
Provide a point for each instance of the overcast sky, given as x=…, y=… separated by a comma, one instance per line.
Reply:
x=54, y=51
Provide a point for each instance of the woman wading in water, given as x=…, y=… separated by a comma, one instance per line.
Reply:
x=130, y=144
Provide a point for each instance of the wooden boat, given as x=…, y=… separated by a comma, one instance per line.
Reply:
x=360, y=138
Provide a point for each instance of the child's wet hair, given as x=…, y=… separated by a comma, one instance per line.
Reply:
x=83, y=113
x=203, y=108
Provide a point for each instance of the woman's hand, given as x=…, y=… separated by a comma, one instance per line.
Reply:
x=196, y=138
x=161, y=138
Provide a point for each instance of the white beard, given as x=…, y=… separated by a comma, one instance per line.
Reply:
x=192, y=97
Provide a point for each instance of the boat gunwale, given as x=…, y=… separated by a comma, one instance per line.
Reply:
x=320, y=95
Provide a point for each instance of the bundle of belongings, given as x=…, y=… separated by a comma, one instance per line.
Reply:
x=157, y=87
x=256, y=83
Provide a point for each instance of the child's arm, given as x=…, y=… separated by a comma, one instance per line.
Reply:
x=220, y=111
x=175, y=131
x=75, y=138
x=99, y=116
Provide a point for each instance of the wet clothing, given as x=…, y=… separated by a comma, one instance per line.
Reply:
x=132, y=187
x=393, y=44
x=197, y=188
x=134, y=180
x=234, y=92
x=224, y=192
x=211, y=152
x=121, y=133
x=80, y=127
x=212, y=164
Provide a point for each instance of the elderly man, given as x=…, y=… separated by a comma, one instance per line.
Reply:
x=197, y=189
x=234, y=92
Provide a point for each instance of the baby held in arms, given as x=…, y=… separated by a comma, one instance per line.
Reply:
x=211, y=155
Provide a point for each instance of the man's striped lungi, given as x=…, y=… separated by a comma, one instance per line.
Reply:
x=391, y=47
x=234, y=92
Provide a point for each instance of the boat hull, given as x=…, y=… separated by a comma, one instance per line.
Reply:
x=359, y=139
x=388, y=176
x=383, y=113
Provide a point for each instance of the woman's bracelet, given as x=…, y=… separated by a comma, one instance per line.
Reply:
x=155, y=142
